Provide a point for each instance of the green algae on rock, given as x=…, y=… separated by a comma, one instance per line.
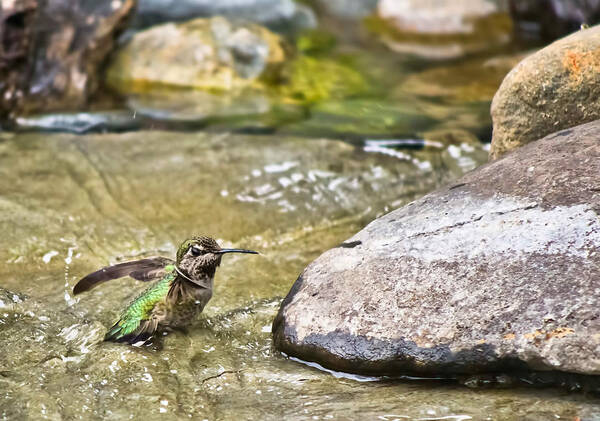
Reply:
x=356, y=118
x=311, y=80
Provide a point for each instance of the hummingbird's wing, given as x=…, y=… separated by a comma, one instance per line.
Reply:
x=140, y=320
x=143, y=270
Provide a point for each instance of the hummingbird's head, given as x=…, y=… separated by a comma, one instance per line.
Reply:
x=198, y=257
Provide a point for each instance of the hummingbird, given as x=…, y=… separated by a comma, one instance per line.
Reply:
x=181, y=289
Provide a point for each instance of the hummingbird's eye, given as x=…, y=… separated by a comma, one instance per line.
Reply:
x=196, y=251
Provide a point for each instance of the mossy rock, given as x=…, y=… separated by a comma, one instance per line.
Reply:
x=309, y=80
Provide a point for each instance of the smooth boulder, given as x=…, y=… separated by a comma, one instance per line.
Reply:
x=497, y=272
x=556, y=88
x=442, y=29
x=210, y=54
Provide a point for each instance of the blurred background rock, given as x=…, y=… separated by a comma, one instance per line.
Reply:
x=54, y=53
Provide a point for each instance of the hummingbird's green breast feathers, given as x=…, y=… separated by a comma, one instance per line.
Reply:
x=137, y=322
x=144, y=270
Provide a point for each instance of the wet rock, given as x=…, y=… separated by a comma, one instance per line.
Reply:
x=210, y=54
x=554, y=18
x=442, y=29
x=556, y=88
x=497, y=272
x=275, y=14
x=55, y=51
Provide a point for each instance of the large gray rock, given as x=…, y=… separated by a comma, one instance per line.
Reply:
x=499, y=271
x=556, y=88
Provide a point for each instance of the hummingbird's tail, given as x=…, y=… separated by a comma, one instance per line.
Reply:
x=123, y=332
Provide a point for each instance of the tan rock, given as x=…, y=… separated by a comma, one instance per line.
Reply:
x=442, y=29
x=556, y=88
x=210, y=54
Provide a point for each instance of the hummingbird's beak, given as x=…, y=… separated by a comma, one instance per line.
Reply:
x=223, y=251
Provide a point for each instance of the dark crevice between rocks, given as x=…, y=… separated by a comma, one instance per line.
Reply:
x=477, y=367
x=456, y=186
x=350, y=244
x=216, y=376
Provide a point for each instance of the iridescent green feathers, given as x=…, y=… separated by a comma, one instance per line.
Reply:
x=136, y=323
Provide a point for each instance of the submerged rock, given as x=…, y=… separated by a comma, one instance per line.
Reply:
x=211, y=54
x=359, y=118
x=442, y=29
x=556, y=88
x=469, y=81
x=309, y=80
x=56, y=51
x=498, y=272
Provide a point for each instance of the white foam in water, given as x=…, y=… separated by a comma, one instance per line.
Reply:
x=337, y=374
x=48, y=256
x=358, y=377
x=284, y=166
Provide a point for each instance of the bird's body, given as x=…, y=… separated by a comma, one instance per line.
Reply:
x=174, y=300
x=163, y=305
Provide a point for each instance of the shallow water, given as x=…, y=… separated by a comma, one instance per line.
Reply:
x=71, y=204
